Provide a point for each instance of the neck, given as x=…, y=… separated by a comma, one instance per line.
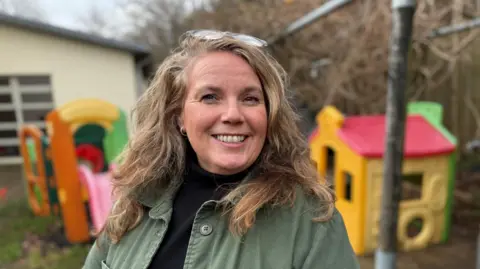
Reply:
x=205, y=176
x=195, y=173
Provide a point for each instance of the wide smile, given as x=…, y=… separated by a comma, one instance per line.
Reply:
x=233, y=139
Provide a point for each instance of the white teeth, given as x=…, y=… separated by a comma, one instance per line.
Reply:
x=231, y=138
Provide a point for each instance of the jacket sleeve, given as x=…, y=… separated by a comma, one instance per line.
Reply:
x=97, y=254
x=331, y=247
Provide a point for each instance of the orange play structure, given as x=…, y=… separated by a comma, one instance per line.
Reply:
x=40, y=208
x=68, y=173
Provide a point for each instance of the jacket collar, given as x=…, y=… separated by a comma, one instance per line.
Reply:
x=160, y=202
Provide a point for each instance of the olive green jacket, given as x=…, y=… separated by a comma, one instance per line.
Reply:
x=281, y=238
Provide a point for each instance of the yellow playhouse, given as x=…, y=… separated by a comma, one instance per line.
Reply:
x=348, y=152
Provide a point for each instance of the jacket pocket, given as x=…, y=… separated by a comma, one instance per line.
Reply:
x=104, y=265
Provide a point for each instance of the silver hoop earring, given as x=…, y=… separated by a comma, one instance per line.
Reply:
x=183, y=131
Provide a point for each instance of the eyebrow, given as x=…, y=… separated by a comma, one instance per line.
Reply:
x=216, y=89
x=210, y=88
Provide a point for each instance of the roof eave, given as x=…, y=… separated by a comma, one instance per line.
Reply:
x=138, y=51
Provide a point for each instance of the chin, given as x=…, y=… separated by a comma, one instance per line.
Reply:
x=232, y=168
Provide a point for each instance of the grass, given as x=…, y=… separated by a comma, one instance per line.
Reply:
x=72, y=257
x=21, y=244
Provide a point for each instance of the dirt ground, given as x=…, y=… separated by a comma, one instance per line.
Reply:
x=459, y=252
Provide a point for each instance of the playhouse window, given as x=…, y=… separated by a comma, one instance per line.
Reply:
x=330, y=165
x=348, y=186
x=412, y=186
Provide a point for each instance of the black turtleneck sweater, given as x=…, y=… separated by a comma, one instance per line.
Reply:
x=198, y=187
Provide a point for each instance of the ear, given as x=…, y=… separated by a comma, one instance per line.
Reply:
x=180, y=122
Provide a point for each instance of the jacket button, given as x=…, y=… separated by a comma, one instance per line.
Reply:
x=206, y=229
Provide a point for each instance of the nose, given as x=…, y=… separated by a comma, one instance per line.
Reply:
x=232, y=114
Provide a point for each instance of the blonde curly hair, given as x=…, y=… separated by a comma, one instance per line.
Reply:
x=154, y=159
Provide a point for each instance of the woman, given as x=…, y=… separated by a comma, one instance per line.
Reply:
x=218, y=174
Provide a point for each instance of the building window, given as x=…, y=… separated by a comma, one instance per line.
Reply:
x=23, y=100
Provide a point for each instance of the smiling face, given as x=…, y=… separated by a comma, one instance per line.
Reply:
x=224, y=115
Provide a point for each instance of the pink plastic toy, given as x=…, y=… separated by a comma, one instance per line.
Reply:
x=100, y=194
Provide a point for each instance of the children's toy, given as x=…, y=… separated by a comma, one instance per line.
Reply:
x=3, y=193
x=68, y=170
x=38, y=172
x=99, y=189
x=349, y=152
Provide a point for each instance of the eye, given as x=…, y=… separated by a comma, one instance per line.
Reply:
x=209, y=98
x=252, y=100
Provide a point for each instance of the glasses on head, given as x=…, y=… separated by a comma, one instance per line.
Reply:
x=214, y=35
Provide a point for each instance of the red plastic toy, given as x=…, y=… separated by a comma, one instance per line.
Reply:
x=91, y=154
x=3, y=193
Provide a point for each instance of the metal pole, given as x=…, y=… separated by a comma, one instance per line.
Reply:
x=309, y=18
x=402, y=24
x=446, y=30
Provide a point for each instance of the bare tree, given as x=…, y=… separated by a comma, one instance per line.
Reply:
x=96, y=22
x=109, y=23
x=341, y=59
x=156, y=23
x=159, y=23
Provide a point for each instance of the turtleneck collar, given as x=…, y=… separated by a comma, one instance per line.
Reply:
x=196, y=175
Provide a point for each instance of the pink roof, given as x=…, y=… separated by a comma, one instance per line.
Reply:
x=366, y=136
